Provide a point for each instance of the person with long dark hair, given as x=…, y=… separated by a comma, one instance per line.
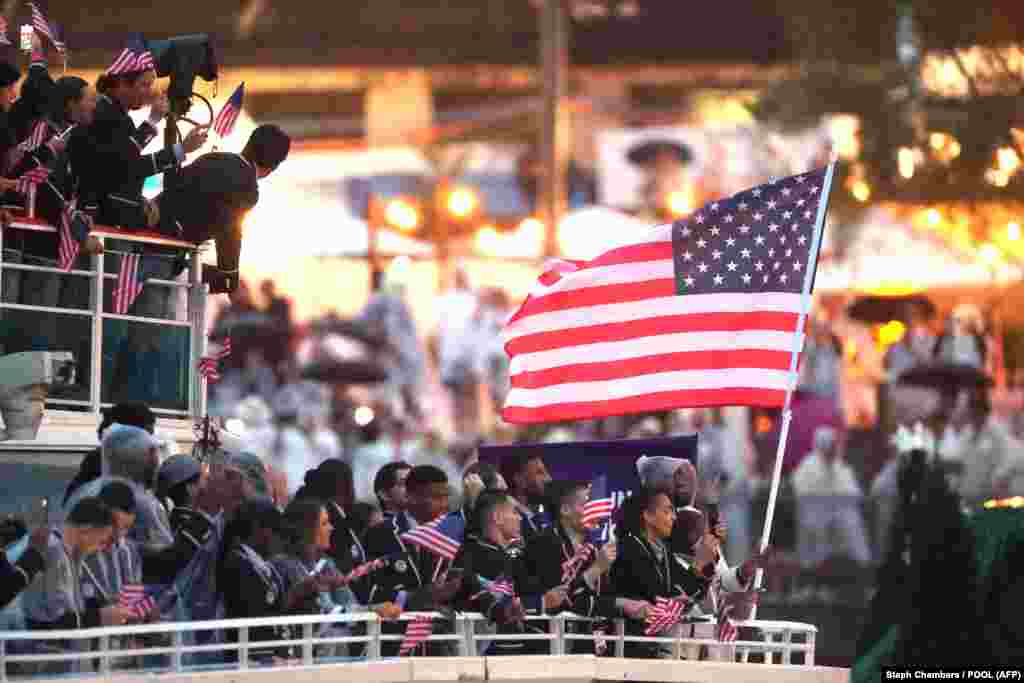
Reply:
x=646, y=568
x=331, y=483
x=251, y=587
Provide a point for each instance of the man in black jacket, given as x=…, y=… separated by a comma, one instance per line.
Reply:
x=560, y=559
x=492, y=554
x=415, y=578
x=211, y=197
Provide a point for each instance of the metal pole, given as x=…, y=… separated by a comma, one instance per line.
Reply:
x=555, y=129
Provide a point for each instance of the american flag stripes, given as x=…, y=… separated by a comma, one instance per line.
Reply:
x=596, y=511
x=703, y=312
x=364, y=569
x=133, y=58
x=442, y=537
x=129, y=284
x=418, y=630
x=571, y=567
x=67, y=246
x=209, y=366
x=228, y=115
x=30, y=179
x=37, y=137
x=138, y=598
x=44, y=28
x=725, y=630
x=667, y=612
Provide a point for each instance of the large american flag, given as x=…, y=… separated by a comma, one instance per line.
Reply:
x=129, y=283
x=228, y=115
x=703, y=312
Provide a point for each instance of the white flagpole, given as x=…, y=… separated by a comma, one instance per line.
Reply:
x=787, y=415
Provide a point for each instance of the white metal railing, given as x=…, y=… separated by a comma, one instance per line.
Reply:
x=99, y=288
x=101, y=650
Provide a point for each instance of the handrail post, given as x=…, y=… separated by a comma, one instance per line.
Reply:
x=104, y=655
x=558, y=635
x=620, y=636
x=466, y=643
x=3, y=657
x=177, y=642
x=307, y=644
x=373, y=644
x=809, y=655
x=243, y=647
x=96, y=304
x=1, y=262
x=197, y=310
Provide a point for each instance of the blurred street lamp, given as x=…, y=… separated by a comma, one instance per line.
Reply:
x=462, y=202
x=402, y=215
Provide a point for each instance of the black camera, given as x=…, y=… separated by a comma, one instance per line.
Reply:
x=183, y=58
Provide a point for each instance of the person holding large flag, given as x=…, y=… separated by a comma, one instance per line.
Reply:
x=647, y=570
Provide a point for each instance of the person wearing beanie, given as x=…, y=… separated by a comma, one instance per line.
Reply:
x=213, y=195
x=131, y=414
x=179, y=482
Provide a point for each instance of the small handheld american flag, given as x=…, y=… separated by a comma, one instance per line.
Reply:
x=596, y=511
x=571, y=567
x=133, y=58
x=228, y=115
x=364, y=569
x=442, y=537
x=209, y=366
x=129, y=285
x=67, y=246
x=40, y=132
x=138, y=598
x=31, y=179
x=725, y=629
x=44, y=28
x=418, y=630
x=667, y=612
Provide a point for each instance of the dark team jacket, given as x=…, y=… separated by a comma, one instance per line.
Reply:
x=192, y=530
x=252, y=592
x=638, y=574
x=404, y=579
x=410, y=568
x=530, y=523
x=479, y=558
x=209, y=199
x=347, y=550
x=15, y=577
x=544, y=557
x=112, y=168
